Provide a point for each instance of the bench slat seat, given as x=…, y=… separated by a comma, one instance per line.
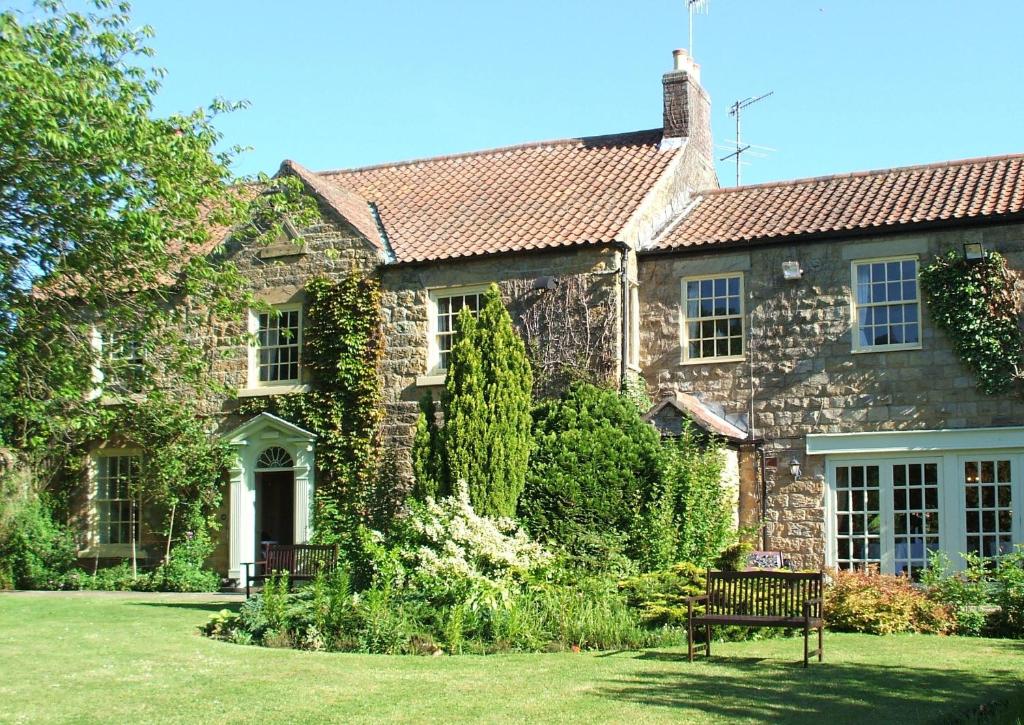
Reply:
x=760, y=598
x=751, y=621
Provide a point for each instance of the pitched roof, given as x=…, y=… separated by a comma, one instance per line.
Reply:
x=349, y=205
x=707, y=419
x=883, y=199
x=533, y=196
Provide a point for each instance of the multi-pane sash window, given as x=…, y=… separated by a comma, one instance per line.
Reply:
x=988, y=508
x=278, y=334
x=116, y=510
x=447, y=307
x=713, y=317
x=122, y=359
x=886, y=305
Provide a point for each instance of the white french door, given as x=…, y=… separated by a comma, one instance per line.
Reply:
x=884, y=513
x=893, y=512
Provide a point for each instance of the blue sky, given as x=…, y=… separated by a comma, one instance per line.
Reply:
x=857, y=84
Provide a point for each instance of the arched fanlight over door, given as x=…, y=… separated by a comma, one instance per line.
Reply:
x=274, y=457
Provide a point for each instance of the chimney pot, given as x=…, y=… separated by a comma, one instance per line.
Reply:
x=681, y=61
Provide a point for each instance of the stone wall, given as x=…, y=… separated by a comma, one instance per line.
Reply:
x=577, y=322
x=277, y=274
x=800, y=376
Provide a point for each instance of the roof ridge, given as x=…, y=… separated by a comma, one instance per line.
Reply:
x=496, y=150
x=861, y=174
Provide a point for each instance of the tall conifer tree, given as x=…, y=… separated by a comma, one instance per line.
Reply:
x=486, y=437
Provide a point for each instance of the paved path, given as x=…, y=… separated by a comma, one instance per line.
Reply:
x=206, y=597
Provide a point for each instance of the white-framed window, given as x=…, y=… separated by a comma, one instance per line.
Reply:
x=892, y=511
x=121, y=359
x=276, y=357
x=712, y=319
x=115, y=507
x=886, y=304
x=443, y=309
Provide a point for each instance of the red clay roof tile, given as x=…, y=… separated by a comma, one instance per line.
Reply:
x=862, y=201
x=534, y=196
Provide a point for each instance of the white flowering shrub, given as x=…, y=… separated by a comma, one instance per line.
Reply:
x=454, y=554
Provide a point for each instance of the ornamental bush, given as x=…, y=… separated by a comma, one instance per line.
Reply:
x=594, y=473
x=866, y=601
x=447, y=580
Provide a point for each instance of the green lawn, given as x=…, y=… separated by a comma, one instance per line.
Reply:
x=138, y=658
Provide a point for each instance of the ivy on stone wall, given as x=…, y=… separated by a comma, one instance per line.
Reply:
x=342, y=348
x=975, y=304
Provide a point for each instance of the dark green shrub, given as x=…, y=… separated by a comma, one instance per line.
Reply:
x=595, y=467
x=966, y=592
x=36, y=552
x=702, y=509
x=185, y=570
x=1008, y=594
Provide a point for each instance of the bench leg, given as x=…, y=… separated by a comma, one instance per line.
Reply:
x=807, y=636
x=707, y=641
x=821, y=646
x=689, y=639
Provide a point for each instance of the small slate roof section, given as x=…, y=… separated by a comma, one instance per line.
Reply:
x=869, y=200
x=534, y=196
x=686, y=405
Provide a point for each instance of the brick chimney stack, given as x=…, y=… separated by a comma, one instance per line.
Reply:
x=687, y=106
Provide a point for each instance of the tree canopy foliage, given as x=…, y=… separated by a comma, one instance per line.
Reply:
x=109, y=213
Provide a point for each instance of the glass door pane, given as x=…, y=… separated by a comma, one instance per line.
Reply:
x=858, y=517
x=988, y=507
x=915, y=512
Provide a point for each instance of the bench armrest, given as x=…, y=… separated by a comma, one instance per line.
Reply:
x=695, y=599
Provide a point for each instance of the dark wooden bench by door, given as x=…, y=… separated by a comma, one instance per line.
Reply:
x=302, y=562
x=760, y=598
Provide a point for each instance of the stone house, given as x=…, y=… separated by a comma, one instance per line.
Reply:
x=785, y=317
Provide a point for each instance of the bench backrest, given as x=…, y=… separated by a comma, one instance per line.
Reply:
x=301, y=560
x=762, y=593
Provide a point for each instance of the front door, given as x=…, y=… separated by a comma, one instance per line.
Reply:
x=275, y=509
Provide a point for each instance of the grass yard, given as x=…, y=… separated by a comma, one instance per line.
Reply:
x=137, y=658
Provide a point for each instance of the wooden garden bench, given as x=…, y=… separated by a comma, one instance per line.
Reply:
x=760, y=598
x=302, y=562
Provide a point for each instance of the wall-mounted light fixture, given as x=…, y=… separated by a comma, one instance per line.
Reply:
x=974, y=252
x=794, y=468
x=791, y=271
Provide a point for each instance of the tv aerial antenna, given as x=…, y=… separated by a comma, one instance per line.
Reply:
x=736, y=110
x=694, y=6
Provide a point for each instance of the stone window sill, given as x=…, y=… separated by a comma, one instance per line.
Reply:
x=886, y=348
x=712, y=360
x=426, y=381
x=273, y=390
